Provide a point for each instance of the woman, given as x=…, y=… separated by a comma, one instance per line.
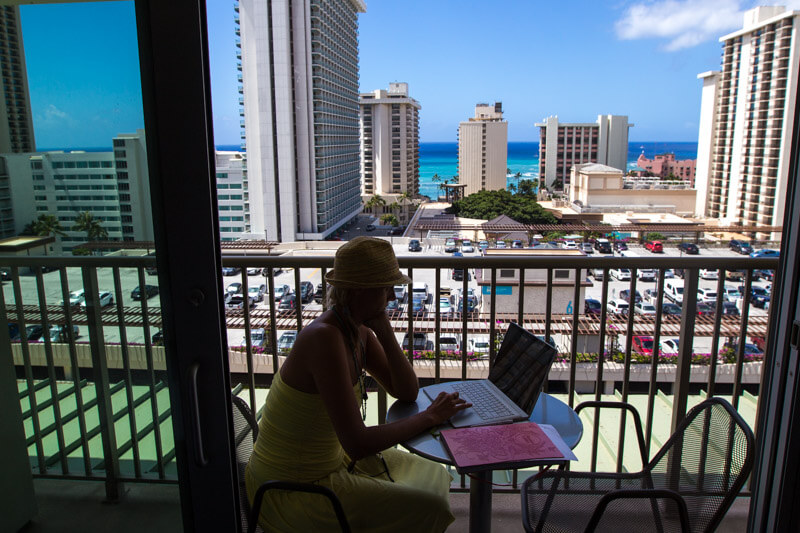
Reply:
x=312, y=428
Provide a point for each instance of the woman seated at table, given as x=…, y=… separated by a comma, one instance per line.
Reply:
x=312, y=428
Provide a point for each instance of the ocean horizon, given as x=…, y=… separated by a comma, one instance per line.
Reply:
x=523, y=157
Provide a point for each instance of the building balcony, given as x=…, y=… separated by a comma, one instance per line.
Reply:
x=118, y=356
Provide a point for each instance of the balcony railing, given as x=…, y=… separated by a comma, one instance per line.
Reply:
x=96, y=403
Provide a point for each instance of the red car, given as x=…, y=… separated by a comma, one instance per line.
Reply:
x=642, y=344
x=655, y=246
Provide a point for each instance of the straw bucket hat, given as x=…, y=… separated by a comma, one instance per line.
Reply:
x=365, y=262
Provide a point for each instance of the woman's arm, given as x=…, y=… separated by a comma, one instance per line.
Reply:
x=386, y=362
x=326, y=358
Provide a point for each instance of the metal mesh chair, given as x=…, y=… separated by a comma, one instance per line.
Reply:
x=687, y=486
x=245, y=431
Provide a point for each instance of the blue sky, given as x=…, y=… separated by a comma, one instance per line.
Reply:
x=575, y=60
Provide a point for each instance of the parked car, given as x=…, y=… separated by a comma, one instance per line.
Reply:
x=61, y=333
x=231, y=271
x=483, y=245
x=731, y=294
x=281, y=291
x=669, y=308
x=75, y=298
x=319, y=294
x=420, y=341
x=709, y=273
x=458, y=275
x=34, y=332
x=618, y=307
x=306, y=291
x=286, y=341
x=646, y=274
x=603, y=246
x=766, y=252
x=370, y=227
x=237, y=301
x=587, y=248
x=707, y=295
x=642, y=344
x=592, y=306
x=650, y=295
x=420, y=290
x=620, y=246
x=399, y=292
x=449, y=343
x=570, y=245
x=500, y=244
x=750, y=349
x=256, y=292
x=516, y=244
x=597, y=273
x=669, y=273
x=158, y=338
x=450, y=246
x=704, y=308
x=393, y=306
x=689, y=248
x=625, y=294
x=656, y=247
x=288, y=302
x=478, y=345
x=742, y=247
x=622, y=274
x=149, y=292
x=414, y=245
x=730, y=309
x=399, y=230
x=466, y=246
x=759, y=296
x=445, y=307
x=418, y=307
x=768, y=274
x=275, y=271
x=105, y=299
x=253, y=271
x=234, y=288
x=644, y=308
x=734, y=274
x=258, y=338
x=669, y=346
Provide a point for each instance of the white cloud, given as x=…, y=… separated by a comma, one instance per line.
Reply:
x=683, y=23
x=52, y=113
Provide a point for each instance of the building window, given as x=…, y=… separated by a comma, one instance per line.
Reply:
x=507, y=273
x=561, y=274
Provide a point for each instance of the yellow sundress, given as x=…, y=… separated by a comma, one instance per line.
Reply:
x=297, y=442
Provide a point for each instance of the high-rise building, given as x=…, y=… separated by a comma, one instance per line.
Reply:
x=16, y=125
x=130, y=163
x=483, y=150
x=299, y=74
x=746, y=122
x=230, y=195
x=390, y=146
x=562, y=145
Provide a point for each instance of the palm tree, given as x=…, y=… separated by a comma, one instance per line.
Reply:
x=388, y=219
x=376, y=201
x=394, y=207
x=85, y=221
x=518, y=176
x=47, y=225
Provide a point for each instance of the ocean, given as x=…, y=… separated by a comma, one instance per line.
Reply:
x=523, y=157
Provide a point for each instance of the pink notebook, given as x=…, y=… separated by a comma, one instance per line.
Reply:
x=500, y=447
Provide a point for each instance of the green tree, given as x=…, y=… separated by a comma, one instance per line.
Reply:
x=375, y=202
x=526, y=188
x=388, y=219
x=654, y=236
x=85, y=221
x=47, y=225
x=395, y=207
x=490, y=204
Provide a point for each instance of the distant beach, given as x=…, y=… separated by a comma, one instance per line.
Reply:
x=523, y=157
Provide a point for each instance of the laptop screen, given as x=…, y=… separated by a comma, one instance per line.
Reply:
x=521, y=366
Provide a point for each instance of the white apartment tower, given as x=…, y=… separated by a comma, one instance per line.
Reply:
x=746, y=122
x=562, y=145
x=390, y=144
x=483, y=150
x=299, y=74
x=230, y=195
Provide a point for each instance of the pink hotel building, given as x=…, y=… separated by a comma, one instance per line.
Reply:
x=665, y=164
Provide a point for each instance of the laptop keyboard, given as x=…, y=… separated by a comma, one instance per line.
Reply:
x=485, y=404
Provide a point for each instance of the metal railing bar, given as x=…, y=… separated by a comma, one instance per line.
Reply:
x=464, y=315
x=548, y=313
x=150, y=427
x=438, y=325
x=43, y=384
x=323, y=272
x=26, y=358
x=598, y=392
x=273, y=328
x=100, y=367
x=410, y=313
x=714, y=355
x=51, y=370
x=298, y=304
x=626, y=374
x=126, y=363
x=653, y=385
x=248, y=340
x=151, y=374
x=737, y=380
x=492, y=318
x=573, y=359
x=65, y=393
x=168, y=457
x=521, y=299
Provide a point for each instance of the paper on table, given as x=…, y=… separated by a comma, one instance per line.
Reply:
x=501, y=445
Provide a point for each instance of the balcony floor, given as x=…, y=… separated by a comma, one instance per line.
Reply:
x=66, y=506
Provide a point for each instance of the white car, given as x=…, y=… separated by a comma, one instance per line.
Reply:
x=618, y=307
x=646, y=274
x=445, y=308
x=731, y=294
x=449, y=343
x=234, y=288
x=75, y=298
x=258, y=338
x=466, y=247
x=106, y=298
x=253, y=271
x=479, y=345
x=256, y=293
x=707, y=273
x=570, y=245
x=500, y=244
x=622, y=274
x=669, y=346
x=707, y=295
x=669, y=274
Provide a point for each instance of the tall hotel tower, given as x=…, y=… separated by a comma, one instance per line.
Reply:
x=563, y=145
x=299, y=63
x=483, y=150
x=390, y=145
x=746, y=122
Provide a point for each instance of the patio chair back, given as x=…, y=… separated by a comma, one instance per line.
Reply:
x=245, y=431
x=706, y=461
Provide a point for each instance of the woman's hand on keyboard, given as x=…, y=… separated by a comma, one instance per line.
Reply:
x=446, y=405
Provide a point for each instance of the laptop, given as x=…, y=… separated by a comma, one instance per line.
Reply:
x=515, y=382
